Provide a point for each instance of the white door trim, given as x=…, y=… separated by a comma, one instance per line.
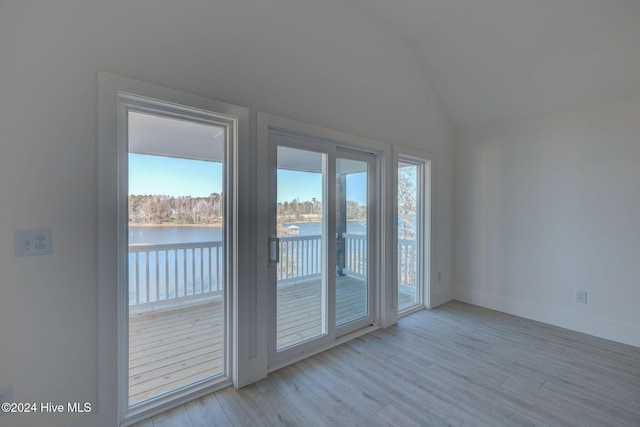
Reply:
x=112, y=89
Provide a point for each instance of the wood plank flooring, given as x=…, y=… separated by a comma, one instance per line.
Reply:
x=457, y=365
x=170, y=348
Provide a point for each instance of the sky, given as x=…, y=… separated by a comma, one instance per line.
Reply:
x=306, y=185
x=357, y=188
x=157, y=175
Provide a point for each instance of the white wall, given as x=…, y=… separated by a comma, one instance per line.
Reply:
x=313, y=61
x=545, y=207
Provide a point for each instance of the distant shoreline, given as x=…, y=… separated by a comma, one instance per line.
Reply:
x=170, y=224
x=219, y=224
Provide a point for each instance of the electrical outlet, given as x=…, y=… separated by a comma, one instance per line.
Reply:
x=581, y=297
x=6, y=396
x=33, y=242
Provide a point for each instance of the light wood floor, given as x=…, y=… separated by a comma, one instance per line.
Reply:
x=171, y=348
x=452, y=366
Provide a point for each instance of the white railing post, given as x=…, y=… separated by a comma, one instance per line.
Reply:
x=356, y=254
x=407, y=267
x=152, y=272
x=298, y=256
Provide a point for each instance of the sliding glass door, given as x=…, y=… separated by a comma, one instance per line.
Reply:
x=176, y=255
x=353, y=240
x=302, y=232
x=174, y=251
x=320, y=249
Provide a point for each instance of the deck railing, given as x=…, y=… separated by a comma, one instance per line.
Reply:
x=355, y=254
x=300, y=257
x=407, y=264
x=167, y=274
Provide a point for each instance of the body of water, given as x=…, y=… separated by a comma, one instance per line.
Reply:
x=164, y=234
x=315, y=228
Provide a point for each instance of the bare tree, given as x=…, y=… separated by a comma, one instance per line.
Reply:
x=407, y=201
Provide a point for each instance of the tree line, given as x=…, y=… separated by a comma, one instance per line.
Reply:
x=161, y=209
x=295, y=210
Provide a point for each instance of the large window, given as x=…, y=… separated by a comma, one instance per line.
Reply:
x=175, y=238
x=412, y=173
x=176, y=267
x=222, y=259
x=168, y=242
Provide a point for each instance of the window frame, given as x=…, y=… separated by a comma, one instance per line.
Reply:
x=383, y=314
x=422, y=159
x=115, y=96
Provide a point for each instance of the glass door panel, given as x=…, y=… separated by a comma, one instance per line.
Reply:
x=352, y=224
x=408, y=233
x=301, y=278
x=176, y=273
x=319, y=244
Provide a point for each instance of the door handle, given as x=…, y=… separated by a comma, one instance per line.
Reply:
x=274, y=249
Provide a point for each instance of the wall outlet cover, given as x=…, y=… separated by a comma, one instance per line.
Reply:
x=581, y=297
x=33, y=242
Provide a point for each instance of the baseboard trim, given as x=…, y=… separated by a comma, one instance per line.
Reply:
x=597, y=326
x=439, y=297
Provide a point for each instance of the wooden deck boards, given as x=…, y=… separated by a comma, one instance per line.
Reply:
x=170, y=348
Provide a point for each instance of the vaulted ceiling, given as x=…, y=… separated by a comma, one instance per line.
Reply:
x=491, y=62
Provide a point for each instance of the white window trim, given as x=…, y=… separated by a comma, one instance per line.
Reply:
x=423, y=159
x=110, y=153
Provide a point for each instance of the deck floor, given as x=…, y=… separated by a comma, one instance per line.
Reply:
x=171, y=348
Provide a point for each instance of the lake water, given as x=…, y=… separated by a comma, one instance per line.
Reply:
x=191, y=234
x=161, y=235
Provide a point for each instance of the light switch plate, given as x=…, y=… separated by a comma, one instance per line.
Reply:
x=33, y=242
